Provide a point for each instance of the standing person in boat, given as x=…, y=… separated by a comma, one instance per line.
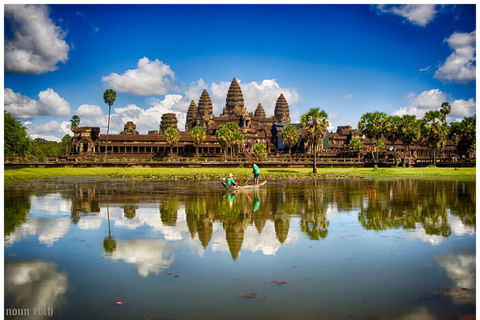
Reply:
x=256, y=173
x=231, y=181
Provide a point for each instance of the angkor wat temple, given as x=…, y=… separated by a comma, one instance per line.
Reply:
x=256, y=128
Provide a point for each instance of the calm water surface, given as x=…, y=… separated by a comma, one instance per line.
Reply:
x=335, y=249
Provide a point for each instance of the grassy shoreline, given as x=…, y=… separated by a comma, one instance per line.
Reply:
x=197, y=174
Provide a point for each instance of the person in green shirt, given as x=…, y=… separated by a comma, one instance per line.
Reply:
x=256, y=172
x=231, y=181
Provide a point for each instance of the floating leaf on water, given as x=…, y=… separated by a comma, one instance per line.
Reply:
x=254, y=293
x=169, y=274
x=446, y=288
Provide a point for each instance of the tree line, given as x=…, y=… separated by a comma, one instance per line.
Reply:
x=18, y=144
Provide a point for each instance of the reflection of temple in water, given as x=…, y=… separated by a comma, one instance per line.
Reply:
x=380, y=205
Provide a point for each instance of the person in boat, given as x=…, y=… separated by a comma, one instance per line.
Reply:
x=231, y=181
x=256, y=173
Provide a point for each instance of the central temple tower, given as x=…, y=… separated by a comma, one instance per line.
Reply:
x=234, y=106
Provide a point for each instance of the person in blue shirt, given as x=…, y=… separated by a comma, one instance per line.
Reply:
x=256, y=172
x=231, y=181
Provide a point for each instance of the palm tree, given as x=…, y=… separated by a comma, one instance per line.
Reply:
x=237, y=142
x=467, y=135
x=314, y=124
x=409, y=132
x=74, y=122
x=371, y=125
x=172, y=137
x=109, y=97
x=233, y=127
x=356, y=144
x=435, y=129
x=290, y=137
x=392, y=132
x=224, y=137
x=197, y=135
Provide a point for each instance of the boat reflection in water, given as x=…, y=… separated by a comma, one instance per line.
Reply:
x=177, y=249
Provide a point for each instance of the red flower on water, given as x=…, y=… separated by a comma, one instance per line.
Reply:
x=254, y=293
x=446, y=288
x=169, y=274
x=119, y=302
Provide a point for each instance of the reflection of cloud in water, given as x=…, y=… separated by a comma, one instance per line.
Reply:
x=150, y=255
x=419, y=234
x=90, y=223
x=34, y=284
x=50, y=203
x=458, y=228
x=48, y=230
x=456, y=225
x=151, y=217
x=460, y=267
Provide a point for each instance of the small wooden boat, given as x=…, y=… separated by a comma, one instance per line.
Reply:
x=247, y=187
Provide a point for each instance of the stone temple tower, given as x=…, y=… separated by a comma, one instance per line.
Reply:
x=191, y=121
x=205, y=112
x=281, y=113
x=259, y=112
x=234, y=105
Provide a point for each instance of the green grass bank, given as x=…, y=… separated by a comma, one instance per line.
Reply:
x=197, y=174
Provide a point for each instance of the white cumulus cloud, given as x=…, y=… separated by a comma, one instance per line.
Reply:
x=51, y=130
x=460, y=65
x=90, y=111
x=37, y=44
x=150, y=78
x=432, y=100
x=48, y=104
x=417, y=14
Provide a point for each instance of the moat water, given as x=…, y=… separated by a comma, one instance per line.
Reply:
x=326, y=249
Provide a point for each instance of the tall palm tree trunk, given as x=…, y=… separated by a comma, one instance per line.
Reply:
x=314, y=157
x=108, y=129
x=395, y=153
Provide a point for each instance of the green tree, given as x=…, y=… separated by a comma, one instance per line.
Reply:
x=224, y=137
x=409, y=132
x=371, y=125
x=435, y=129
x=234, y=128
x=15, y=139
x=392, y=132
x=109, y=96
x=356, y=144
x=290, y=137
x=172, y=137
x=197, y=135
x=74, y=122
x=259, y=150
x=314, y=125
x=62, y=146
x=237, y=142
x=466, y=136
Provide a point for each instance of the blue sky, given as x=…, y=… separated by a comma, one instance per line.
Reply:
x=344, y=59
